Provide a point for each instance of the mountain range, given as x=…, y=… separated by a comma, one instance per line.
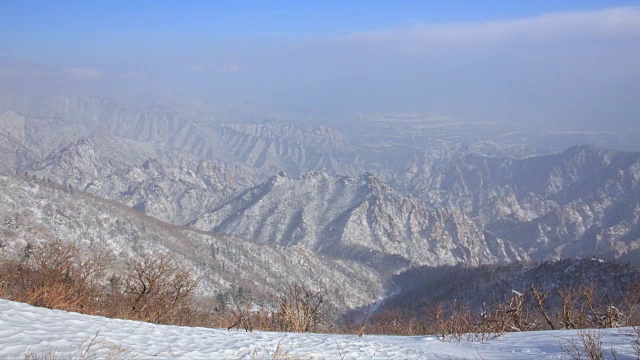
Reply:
x=342, y=207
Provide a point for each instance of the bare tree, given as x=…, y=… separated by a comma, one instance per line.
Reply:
x=158, y=289
x=300, y=309
x=541, y=298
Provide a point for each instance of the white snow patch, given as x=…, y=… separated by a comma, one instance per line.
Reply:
x=26, y=329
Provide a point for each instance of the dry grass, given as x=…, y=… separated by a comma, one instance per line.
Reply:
x=87, y=349
x=587, y=346
x=282, y=351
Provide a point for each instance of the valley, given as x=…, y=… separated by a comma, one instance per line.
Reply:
x=269, y=203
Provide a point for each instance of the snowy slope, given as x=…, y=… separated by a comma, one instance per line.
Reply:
x=40, y=211
x=26, y=329
x=581, y=202
x=354, y=218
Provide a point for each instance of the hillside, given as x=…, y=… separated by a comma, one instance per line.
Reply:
x=422, y=286
x=32, y=210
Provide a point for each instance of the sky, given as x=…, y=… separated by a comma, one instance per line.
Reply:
x=554, y=64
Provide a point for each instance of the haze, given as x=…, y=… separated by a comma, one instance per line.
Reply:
x=548, y=64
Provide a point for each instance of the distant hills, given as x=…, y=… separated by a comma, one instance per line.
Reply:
x=266, y=202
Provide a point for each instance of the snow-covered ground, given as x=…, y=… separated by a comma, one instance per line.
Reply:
x=37, y=331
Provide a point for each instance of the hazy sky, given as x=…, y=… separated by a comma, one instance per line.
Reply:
x=562, y=64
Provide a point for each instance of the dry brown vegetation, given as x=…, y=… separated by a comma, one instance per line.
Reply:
x=155, y=288
x=150, y=287
x=54, y=275
x=581, y=307
x=299, y=310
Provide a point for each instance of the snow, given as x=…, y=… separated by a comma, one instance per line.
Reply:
x=30, y=330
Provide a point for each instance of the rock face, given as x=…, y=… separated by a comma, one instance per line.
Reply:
x=583, y=201
x=176, y=193
x=356, y=218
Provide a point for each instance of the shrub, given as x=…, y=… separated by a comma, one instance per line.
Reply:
x=300, y=309
x=52, y=274
x=158, y=290
x=588, y=345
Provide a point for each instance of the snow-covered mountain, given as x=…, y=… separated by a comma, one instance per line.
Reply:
x=156, y=128
x=356, y=218
x=583, y=201
x=176, y=192
x=385, y=193
x=35, y=210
